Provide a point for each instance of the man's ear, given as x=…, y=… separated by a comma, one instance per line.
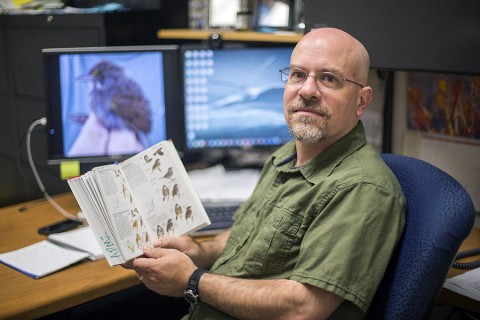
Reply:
x=363, y=100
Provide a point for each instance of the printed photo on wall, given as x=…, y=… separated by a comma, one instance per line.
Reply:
x=446, y=104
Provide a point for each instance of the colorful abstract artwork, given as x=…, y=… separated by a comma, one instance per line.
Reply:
x=444, y=104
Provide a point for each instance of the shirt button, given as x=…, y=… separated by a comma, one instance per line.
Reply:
x=281, y=179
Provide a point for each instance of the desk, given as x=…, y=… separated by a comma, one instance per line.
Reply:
x=452, y=298
x=22, y=297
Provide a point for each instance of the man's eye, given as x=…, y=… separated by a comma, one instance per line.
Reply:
x=298, y=75
x=328, y=78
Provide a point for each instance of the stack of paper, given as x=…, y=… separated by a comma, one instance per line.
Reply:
x=467, y=284
x=42, y=258
x=81, y=239
x=58, y=252
x=216, y=184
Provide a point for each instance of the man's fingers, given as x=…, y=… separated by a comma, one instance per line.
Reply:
x=155, y=252
x=148, y=260
x=165, y=242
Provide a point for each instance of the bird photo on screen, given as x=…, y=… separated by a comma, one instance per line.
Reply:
x=118, y=101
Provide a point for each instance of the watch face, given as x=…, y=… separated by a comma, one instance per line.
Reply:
x=190, y=296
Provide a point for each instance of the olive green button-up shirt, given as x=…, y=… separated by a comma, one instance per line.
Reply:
x=331, y=223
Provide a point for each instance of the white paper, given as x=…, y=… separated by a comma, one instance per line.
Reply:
x=467, y=284
x=82, y=239
x=216, y=184
x=42, y=258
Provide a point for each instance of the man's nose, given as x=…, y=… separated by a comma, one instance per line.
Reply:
x=310, y=88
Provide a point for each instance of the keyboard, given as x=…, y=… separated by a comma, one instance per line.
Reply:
x=220, y=217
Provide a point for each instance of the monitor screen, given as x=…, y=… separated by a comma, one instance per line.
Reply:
x=233, y=97
x=107, y=103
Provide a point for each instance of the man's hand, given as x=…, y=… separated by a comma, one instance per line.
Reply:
x=95, y=139
x=165, y=271
x=187, y=245
x=203, y=253
x=167, y=267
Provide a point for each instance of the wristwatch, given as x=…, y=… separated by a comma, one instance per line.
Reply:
x=191, y=293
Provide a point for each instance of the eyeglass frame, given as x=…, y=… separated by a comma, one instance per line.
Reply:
x=282, y=72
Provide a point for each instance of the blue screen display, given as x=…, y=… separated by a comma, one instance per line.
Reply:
x=234, y=97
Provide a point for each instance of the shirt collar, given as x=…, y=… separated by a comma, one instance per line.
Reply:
x=322, y=165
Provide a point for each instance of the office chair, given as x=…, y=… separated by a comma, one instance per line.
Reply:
x=440, y=215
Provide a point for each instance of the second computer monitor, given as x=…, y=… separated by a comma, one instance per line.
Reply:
x=234, y=97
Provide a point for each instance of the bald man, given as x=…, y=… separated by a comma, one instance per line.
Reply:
x=315, y=238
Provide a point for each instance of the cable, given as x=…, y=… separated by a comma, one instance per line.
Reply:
x=20, y=156
x=43, y=122
x=467, y=265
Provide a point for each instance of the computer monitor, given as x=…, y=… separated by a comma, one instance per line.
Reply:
x=233, y=98
x=104, y=104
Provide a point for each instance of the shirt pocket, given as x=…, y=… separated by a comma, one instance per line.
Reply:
x=271, y=248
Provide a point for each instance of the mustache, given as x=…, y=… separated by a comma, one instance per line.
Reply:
x=313, y=106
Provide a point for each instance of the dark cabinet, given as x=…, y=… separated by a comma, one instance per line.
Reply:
x=407, y=35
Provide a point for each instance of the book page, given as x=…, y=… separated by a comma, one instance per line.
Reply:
x=92, y=185
x=95, y=212
x=163, y=191
x=131, y=232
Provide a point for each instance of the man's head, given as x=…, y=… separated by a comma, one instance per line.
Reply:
x=318, y=110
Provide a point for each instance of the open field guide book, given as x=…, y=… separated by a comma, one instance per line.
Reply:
x=144, y=198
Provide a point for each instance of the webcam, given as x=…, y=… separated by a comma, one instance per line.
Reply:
x=215, y=41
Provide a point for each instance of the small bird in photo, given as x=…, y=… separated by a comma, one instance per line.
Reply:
x=188, y=214
x=156, y=166
x=170, y=227
x=147, y=158
x=169, y=173
x=175, y=191
x=178, y=212
x=165, y=192
x=160, y=232
x=117, y=100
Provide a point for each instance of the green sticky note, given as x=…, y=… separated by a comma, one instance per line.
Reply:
x=69, y=169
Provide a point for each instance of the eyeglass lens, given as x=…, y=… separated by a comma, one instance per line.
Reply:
x=323, y=79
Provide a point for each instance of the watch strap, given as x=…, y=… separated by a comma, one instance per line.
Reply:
x=191, y=292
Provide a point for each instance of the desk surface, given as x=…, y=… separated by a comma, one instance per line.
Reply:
x=22, y=297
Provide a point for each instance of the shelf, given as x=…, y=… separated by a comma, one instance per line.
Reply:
x=230, y=35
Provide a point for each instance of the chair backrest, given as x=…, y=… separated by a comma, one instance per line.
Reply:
x=440, y=215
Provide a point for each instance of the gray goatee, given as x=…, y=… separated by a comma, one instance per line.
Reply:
x=306, y=128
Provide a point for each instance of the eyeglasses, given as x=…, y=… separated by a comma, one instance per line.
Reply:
x=323, y=79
